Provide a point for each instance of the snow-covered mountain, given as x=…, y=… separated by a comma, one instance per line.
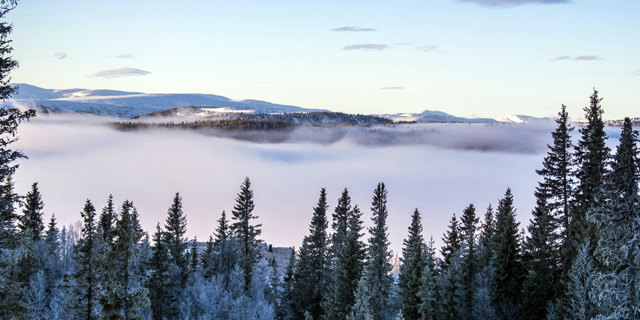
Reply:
x=131, y=104
x=433, y=116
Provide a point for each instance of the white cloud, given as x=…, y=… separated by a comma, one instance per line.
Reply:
x=367, y=47
x=122, y=72
x=60, y=55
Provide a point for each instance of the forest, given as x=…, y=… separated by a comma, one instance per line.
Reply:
x=577, y=259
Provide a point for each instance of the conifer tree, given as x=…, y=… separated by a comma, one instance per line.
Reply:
x=451, y=294
x=617, y=217
x=8, y=199
x=411, y=269
x=222, y=231
x=32, y=213
x=107, y=221
x=207, y=259
x=340, y=220
x=84, y=304
x=348, y=267
x=52, y=268
x=508, y=264
x=124, y=296
x=175, y=228
x=541, y=258
x=486, y=236
x=592, y=157
x=194, y=257
x=159, y=293
x=374, y=287
x=288, y=298
x=469, y=259
x=428, y=294
x=312, y=268
x=452, y=241
x=579, y=302
x=246, y=233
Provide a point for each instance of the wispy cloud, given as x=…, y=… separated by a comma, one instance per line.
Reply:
x=636, y=73
x=392, y=88
x=125, y=56
x=505, y=3
x=353, y=29
x=60, y=55
x=367, y=47
x=427, y=48
x=122, y=72
x=578, y=58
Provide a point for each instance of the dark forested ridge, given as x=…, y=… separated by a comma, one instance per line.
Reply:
x=578, y=258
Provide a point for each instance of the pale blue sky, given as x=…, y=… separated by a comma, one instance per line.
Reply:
x=461, y=57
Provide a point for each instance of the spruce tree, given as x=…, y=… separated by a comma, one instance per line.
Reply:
x=578, y=301
x=452, y=241
x=8, y=200
x=288, y=298
x=592, y=157
x=451, y=295
x=313, y=264
x=222, y=231
x=469, y=258
x=32, y=213
x=413, y=264
x=508, y=264
x=246, y=233
x=84, y=303
x=207, y=259
x=175, y=228
x=427, y=294
x=107, y=221
x=542, y=262
x=339, y=225
x=374, y=286
x=617, y=217
x=348, y=267
x=159, y=293
x=124, y=296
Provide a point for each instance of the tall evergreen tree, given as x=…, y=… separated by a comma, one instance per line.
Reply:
x=374, y=287
x=124, y=297
x=348, y=267
x=84, y=303
x=487, y=230
x=592, y=157
x=452, y=241
x=159, y=293
x=246, y=233
x=617, y=217
x=578, y=300
x=340, y=220
x=469, y=257
x=288, y=298
x=313, y=265
x=509, y=269
x=175, y=228
x=541, y=258
x=222, y=231
x=413, y=264
x=107, y=221
x=32, y=213
x=8, y=200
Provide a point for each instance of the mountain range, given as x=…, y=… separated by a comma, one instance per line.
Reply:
x=124, y=104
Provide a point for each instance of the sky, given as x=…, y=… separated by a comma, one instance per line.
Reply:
x=484, y=58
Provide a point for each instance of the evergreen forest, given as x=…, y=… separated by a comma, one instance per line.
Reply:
x=579, y=257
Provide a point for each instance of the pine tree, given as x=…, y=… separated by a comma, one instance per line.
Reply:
x=32, y=213
x=8, y=199
x=508, y=264
x=222, y=231
x=469, y=258
x=624, y=175
x=107, y=221
x=592, y=157
x=411, y=269
x=487, y=230
x=52, y=267
x=84, y=304
x=451, y=294
x=194, y=257
x=452, y=241
x=374, y=287
x=579, y=301
x=428, y=294
x=176, y=227
x=348, y=267
x=124, y=296
x=313, y=264
x=339, y=225
x=288, y=298
x=207, y=259
x=246, y=234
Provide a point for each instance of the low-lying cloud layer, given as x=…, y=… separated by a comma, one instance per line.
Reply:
x=438, y=169
x=122, y=72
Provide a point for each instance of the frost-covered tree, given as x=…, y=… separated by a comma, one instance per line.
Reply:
x=160, y=290
x=451, y=294
x=427, y=293
x=413, y=264
x=485, y=291
x=374, y=286
x=469, y=261
x=312, y=268
x=86, y=284
x=348, y=267
x=246, y=233
x=175, y=229
x=508, y=263
x=288, y=299
x=579, y=296
x=107, y=221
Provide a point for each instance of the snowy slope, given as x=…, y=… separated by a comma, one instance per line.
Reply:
x=130, y=104
x=433, y=116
